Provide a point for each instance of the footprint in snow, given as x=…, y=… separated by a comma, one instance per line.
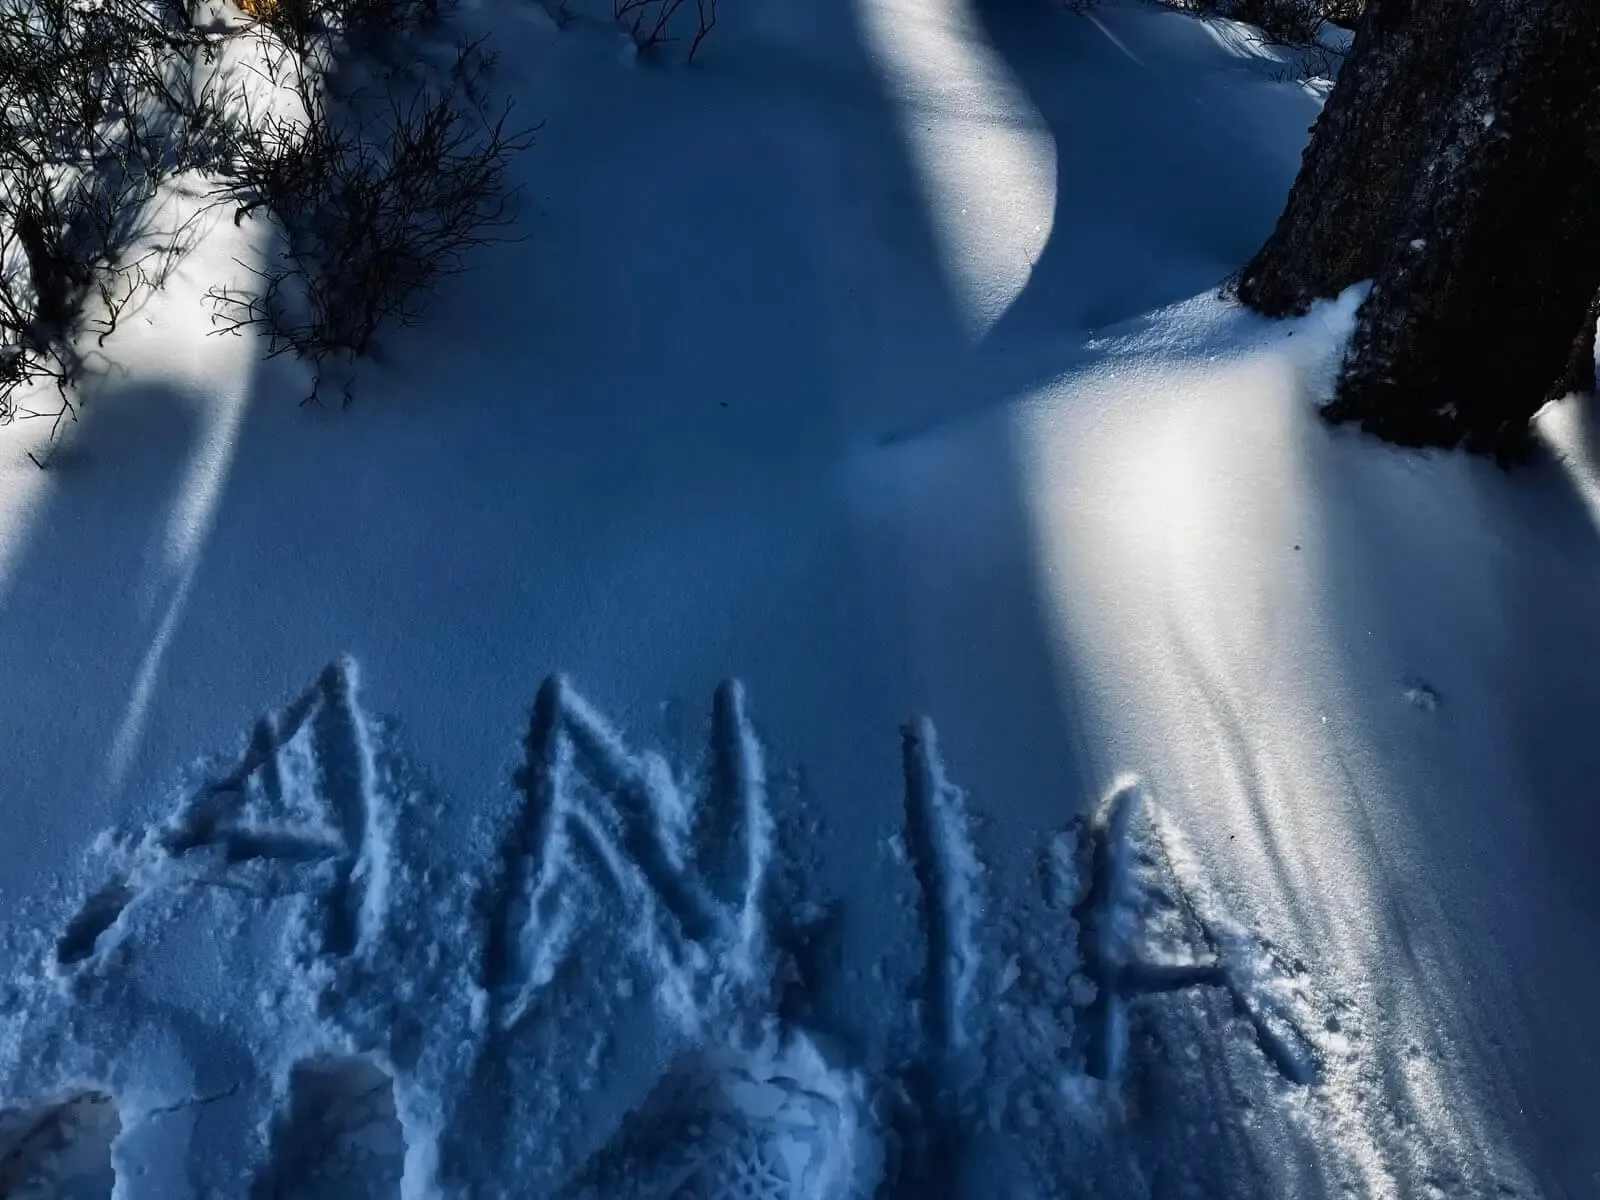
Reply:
x=1420, y=695
x=59, y=1151
x=339, y=1137
x=726, y=1126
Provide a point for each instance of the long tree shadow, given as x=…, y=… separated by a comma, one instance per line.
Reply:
x=1462, y=601
x=1165, y=182
x=79, y=607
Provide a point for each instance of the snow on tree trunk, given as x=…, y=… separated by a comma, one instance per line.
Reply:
x=1485, y=253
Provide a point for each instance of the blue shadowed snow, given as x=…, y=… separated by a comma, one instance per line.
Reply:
x=1131, y=787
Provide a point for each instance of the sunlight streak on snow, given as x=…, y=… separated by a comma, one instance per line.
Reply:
x=985, y=155
x=194, y=511
x=1174, y=524
x=130, y=730
x=217, y=373
x=1178, y=497
x=190, y=520
x=1569, y=429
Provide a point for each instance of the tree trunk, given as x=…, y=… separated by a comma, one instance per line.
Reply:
x=1580, y=373
x=1357, y=174
x=1480, y=227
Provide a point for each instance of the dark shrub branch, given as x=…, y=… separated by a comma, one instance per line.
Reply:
x=376, y=202
x=378, y=193
x=655, y=23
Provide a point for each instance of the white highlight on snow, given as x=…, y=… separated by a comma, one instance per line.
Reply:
x=375, y=864
x=951, y=877
x=1158, y=517
x=985, y=155
x=227, y=374
x=26, y=490
x=1241, y=40
x=1360, y=1140
x=216, y=373
x=761, y=831
x=1113, y=38
x=136, y=713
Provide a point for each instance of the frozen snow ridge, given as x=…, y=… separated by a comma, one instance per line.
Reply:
x=631, y=904
x=606, y=1008
x=295, y=814
x=1130, y=866
x=948, y=874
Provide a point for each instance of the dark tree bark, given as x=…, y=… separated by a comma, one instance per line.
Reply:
x=1357, y=174
x=1457, y=167
x=1580, y=373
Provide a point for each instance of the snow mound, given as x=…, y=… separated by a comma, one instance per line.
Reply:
x=294, y=980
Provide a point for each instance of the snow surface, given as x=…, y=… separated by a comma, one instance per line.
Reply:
x=1130, y=787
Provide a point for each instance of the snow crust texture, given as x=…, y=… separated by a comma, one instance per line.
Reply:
x=286, y=989
x=877, y=360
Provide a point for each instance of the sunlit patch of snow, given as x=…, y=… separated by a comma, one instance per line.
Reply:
x=986, y=158
x=1178, y=521
x=26, y=489
x=1568, y=429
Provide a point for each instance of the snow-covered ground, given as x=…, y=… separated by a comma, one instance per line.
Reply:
x=836, y=667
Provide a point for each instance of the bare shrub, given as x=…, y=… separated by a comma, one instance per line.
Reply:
x=377, y=202
x=98, y=106
x=1288, y=22
x=655, y=23
x=379, y=192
